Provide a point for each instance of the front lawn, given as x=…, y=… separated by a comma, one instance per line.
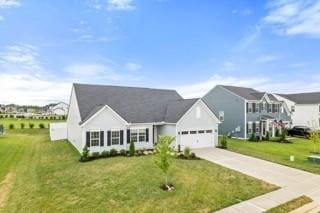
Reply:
x=49, y=178
x=279, y=152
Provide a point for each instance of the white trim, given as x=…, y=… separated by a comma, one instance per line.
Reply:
x=102, y=109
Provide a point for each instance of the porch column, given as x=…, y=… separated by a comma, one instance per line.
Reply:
x=273, y=132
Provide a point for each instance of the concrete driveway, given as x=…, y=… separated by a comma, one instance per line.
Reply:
x=293, y=182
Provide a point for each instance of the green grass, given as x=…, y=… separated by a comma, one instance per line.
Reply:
x=17, y=122
x=279, y=152
x=49, y=178
x=291, y=205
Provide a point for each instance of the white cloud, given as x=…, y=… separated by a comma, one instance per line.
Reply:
x=243, y=12
x=30, y=90
x=9, y=3
x=133, y=66
x=20, y=57
x=125, y=5
x=260, y=83
x=92, y=72
x=266, y=58
x=300, y=17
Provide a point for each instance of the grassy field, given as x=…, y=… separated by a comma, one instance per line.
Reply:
x=47, y=177
x=17, y=122
x=279, y=152
x=291, y=205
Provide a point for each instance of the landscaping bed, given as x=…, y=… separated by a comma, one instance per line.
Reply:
x=49, y=177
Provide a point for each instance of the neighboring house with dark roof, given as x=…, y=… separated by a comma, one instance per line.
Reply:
x=243, y=111
x=60, y=108
x=106, y=117
x=304, y=108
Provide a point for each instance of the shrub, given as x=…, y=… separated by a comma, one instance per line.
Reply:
x=123, y=152
x=267, y=136
x=253, y=137
x=95, y=155
x=11, y=126
x=277, y=132
x=187, y=152
x=63, y=117
x=31, y=125
x=105, y=154
x=223, y=142
x=1, y=116
x=193, y=155
x=11, y=116
x=41, y=126
x=283, y=136
x=139, y=152
x=113, y=152
x=85, y=154
x=22, y=125
x=132, y=149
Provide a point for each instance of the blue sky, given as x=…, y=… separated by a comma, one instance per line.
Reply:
x=189, y=45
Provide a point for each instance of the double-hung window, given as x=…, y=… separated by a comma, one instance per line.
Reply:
x=115, y=137
x=249, y=107
x=250, y=127
x=138, y=135
x=221, y=116
x=94, y=138
x=257, y=107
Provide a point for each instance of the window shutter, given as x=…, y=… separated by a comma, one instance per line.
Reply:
x=128, y=135
x=261, y=105
x=254, y=127
x=88, y=139
x=247, y=107
x=147, y=135
x=101, y=138
x=247, y=128
x=109, y=138
x=121, y=137
x=254, y=107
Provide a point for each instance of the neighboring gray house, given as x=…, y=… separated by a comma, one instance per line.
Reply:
x=304, y=107
x=106, y=117
x=243, y=111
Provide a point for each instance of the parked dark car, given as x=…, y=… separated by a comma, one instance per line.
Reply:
x=302, y=131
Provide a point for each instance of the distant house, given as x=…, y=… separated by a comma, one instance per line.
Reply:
x=109, y=117
x=60, y=108
x=243, y=111
x=304, y=108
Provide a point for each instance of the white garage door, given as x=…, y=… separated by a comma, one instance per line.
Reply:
x=197, y=138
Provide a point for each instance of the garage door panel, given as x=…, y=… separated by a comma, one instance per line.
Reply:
x=198, y=140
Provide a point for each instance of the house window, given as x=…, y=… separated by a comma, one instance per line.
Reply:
x=94, y=138
x=142, y=135
x=138, y=135
x=257, y=107
x=115, y=137
x=209, y=131
x=193, y=132
x=250, y=128
x=292, y=108
x=201, y=131
x=257, y=126
x=249, y=107
x=184, y=132
x=134, y=135
x=264, y=106
x=281, y=109
x=198, y=112
x=221, y=116
x=269, y=108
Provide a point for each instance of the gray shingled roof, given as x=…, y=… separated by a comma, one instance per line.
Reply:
x=135, y=105
x=304, y=98
x=248, y=93
x=176, y=109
